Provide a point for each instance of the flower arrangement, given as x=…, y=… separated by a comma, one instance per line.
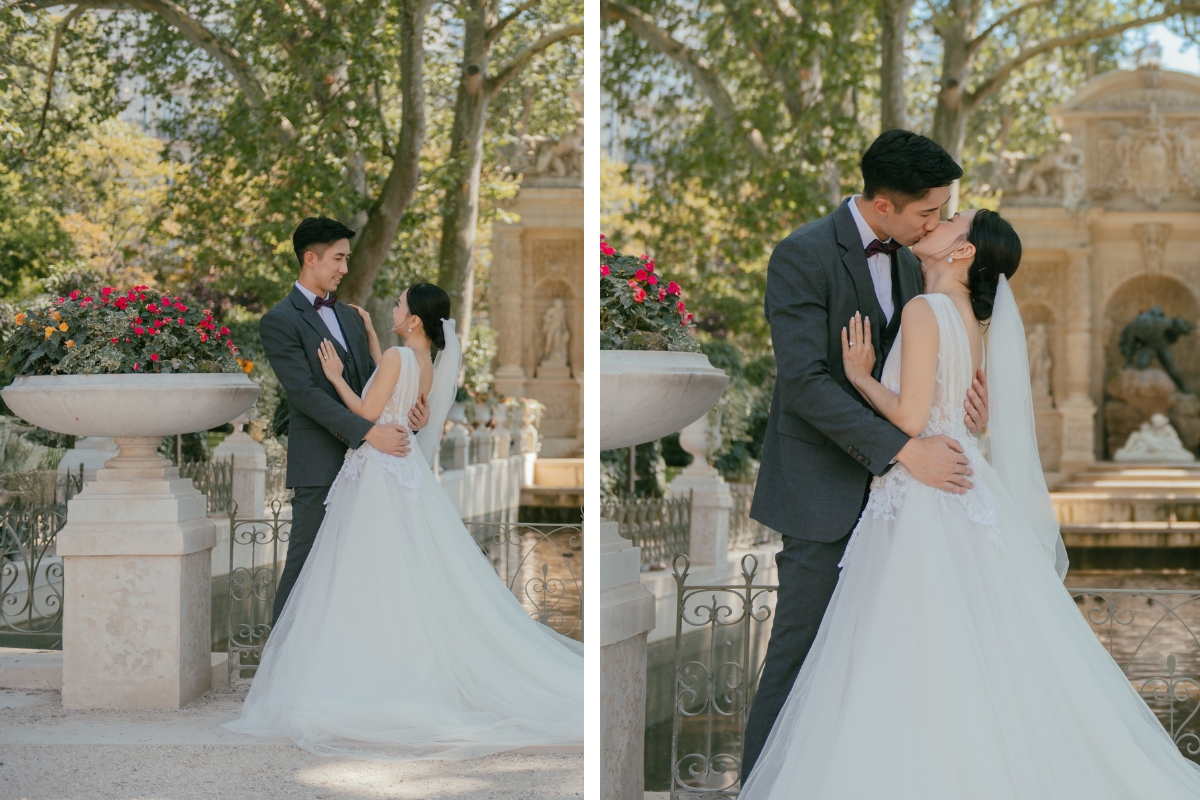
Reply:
x=134, y=331
x=638, y=309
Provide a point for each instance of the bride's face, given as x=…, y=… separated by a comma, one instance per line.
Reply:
x=948, y=239
x=400, y=314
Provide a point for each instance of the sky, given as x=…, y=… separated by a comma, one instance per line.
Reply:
x=1178, y=54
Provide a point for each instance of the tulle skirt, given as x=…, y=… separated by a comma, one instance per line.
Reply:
x=950, y=665
x=399, y=640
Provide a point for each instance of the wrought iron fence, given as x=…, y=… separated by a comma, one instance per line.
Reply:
x=31, y=578
x=39, y=488
x=660, y=526
x=213, y=478
x=746, y=533
x=277, y=480
x=542, y=564
x=721, y=633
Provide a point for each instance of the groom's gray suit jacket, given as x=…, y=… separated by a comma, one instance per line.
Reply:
x=321, y=427
x=823, y=441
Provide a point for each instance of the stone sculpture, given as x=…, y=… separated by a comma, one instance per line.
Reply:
x=1151, y=335
x=1058, y=172
x=1038, y=345
x=556, y=335
x=1156, y=440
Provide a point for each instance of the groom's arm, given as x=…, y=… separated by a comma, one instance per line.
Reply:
x=797, y=304
x=291, y=366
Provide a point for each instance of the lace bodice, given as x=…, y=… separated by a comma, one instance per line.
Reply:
x=946, y=416
x=410, y=469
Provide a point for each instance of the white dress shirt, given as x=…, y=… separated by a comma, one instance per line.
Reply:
x=330, y=319
x=881, y=264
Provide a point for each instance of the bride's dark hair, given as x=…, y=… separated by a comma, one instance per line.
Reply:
x=432, y=305
x=997, y=252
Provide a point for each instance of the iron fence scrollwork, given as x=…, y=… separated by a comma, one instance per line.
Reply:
x=746, y=533
x=31, y=578
x=256, y=552
x=214, y=479
x=660, y=526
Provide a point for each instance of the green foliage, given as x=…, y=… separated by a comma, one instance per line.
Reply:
x=638, y=309
x=477, y=363
x=111, y=332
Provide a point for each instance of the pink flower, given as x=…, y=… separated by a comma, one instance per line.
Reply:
x=154, y=356
x=606, y=250
x=74, y=294
x=639, y=295
x=689, y=318
x=135, y=366
x=604, y=270
x=672, y=287
x=180, y=321
x=641, y=275
x=224, y=331
x=139, y=330
x=662, y=294
x=681, y=308
x=153, y=309
x=652, y=280
x=106, y=291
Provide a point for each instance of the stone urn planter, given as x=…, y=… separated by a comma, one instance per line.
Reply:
x=136, y=546
x=646, y=395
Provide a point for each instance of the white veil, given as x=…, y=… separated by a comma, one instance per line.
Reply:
x=1011, y=432
x=441, y=395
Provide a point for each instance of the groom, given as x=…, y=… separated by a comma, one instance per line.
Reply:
x=321, y=427
x=823, y=441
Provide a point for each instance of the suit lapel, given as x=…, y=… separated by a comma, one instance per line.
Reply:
x=347, y=318
x=854, y=258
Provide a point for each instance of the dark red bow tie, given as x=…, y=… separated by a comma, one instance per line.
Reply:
x=325, y=302
x=878, y=248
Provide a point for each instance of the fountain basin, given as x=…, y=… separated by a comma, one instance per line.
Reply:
x=646, y=395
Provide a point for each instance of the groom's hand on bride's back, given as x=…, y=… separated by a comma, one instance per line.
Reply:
x=976, y=404
x=418, y=417
x=937, y=461
x=390, y=439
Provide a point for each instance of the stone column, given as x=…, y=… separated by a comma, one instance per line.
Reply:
x=1078, y=410
x=249, y=470
x=711, y=500
x=509, y=377
x=138, y=581
x=626, y=616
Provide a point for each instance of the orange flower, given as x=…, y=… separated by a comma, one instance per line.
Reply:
x=56, y=315
x=246, y=365
x=20, y=319
x=70, y=342
x=49, y=331
x=62, y=327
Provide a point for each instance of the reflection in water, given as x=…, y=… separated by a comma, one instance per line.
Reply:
x=1141, y=642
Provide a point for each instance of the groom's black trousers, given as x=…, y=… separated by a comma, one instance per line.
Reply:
x=808, y=574
x=308, y=511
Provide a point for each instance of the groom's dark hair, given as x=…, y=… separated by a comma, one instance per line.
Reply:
x=317, y=231
x=904, y=166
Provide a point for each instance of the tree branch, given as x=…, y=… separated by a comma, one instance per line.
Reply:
x=997, y=78
x=518, y=62
x=195, y=32
x=52, y=66
x=1004, y=19
x=694, y=64
x=495, y=31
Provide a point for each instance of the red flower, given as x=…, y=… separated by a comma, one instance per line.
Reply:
x=650, y=265
x=181, y=321
x=139, y=330
x=681, y=308
x=602, y=237
x=74, y=294
x=689, y=319
x=652, y=280
x=203, y=336
x=224, y=331
x=672, y=288
x=106, y=291
x=604, y=270
x=606, y=250
x=154, y=356
x=121, y=303
x=153, y=309
x=639, y=295
x=135, y=366
x=662, y=294
x=641, y=275
x=114, y=341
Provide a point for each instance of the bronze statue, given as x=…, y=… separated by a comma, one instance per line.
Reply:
x=1151, y=334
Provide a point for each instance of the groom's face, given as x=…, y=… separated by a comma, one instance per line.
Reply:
x=917, y=219
x=326, y=266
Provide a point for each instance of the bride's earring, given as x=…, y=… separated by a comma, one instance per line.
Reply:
x=950, y=259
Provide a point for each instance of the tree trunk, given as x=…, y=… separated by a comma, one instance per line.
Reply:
x=460, y=206
x=374, y=241
x=950, y=116
x=893, y=23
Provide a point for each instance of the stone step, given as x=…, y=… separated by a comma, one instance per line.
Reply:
x=1125, y=506
x=1154, y=534
x=1120, y=485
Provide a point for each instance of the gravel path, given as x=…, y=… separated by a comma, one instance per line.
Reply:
x=48, y=753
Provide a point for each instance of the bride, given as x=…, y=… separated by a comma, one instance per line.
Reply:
x=951, y=663
x=399, y=640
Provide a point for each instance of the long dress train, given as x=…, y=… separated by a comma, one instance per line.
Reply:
x=399, y=640
x=951, y=662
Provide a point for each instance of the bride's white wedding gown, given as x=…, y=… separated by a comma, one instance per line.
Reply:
x=951, y=662
x=398, y=633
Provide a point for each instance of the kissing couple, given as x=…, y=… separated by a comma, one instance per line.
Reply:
x=924, y=646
